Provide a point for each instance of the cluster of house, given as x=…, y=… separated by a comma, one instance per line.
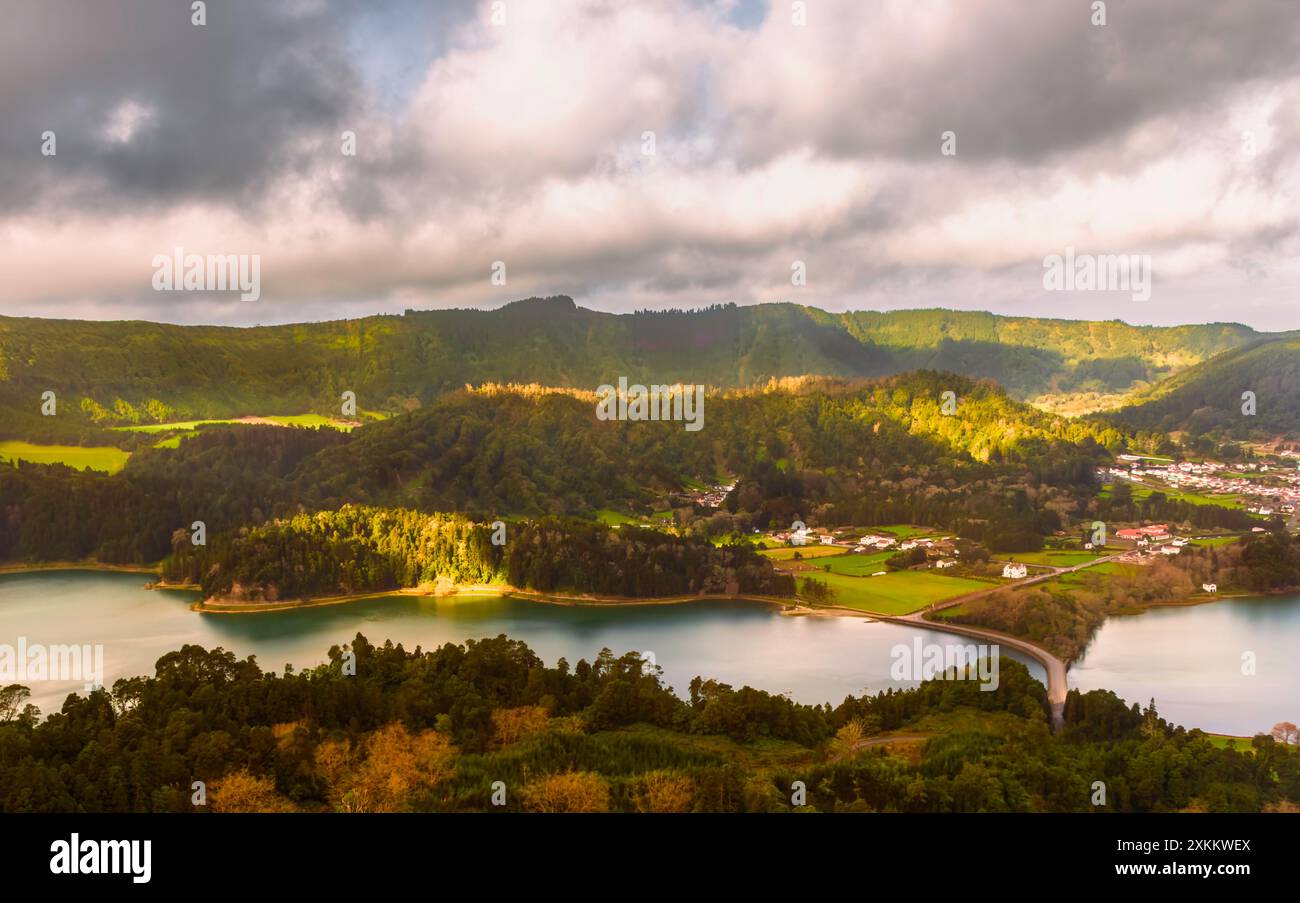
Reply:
x=712, y=497
x=806, y=536
x=1156, y=539
x=940, y=551
x=1279, y=495
x=1153, y=539
x=937, y=551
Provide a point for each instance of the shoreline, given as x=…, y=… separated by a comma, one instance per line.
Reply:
x=227, y=606
x=24, y=568
x=790, y=607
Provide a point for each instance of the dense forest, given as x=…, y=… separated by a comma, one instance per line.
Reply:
x=823, y=451
x=383, y=729
x=360, y=549
x=128, y=373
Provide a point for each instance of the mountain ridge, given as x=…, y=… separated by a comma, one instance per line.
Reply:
x=115, y=373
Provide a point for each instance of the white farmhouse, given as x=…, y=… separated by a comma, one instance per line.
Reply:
x=1210, y=587
x=1015, y=571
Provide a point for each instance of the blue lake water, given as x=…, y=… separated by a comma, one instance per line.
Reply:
x=812, y=660
x=1189, y=658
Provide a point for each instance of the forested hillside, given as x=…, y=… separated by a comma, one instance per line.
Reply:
x=357, y=550
x=1206, y=400
x=826, y=451
x=436, y=730
x=124, y=373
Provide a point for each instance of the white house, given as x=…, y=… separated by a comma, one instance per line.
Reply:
x=1210, y=587
x=1015, y=571
x=1170, y=550
x=944, y=563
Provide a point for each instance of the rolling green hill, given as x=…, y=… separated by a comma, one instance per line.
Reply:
x=838, y=451
x=127, y=373
x=1206, y=399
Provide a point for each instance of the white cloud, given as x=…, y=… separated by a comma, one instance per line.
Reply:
x=522, y=143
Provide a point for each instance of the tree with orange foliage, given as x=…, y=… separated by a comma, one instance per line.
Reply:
x=396, y=765
x=241, y=791
x=512, y=725
x=666, y=791
x=570, y=791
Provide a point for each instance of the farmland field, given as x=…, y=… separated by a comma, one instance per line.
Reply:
x=856, y=564
x=897, y=593
x=105, y=458
x=1059, y=558
x=786, y=553
x=904, y=531
x=1142, y=492
x=307, y=420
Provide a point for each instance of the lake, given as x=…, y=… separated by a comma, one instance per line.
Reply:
x=813, y=660
x=1188, y=658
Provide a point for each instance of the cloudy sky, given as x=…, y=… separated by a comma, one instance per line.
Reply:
x=779, y=134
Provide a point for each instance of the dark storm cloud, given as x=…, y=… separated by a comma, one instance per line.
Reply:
x=221, y=109
x=523, y=143
x=1024, y=81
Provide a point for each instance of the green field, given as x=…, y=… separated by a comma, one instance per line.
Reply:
x=897, y=593
x=614, y=518
x=904, y=531
x=104, y=457
x=1079, y=578
x=1141, y=493
x=308, y=420
x=1055, y=558
x=786, y=553
x=1240, y=744
x=855, y=564
x=1215, y=541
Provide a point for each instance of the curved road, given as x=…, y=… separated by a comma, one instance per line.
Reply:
x=1057, y=685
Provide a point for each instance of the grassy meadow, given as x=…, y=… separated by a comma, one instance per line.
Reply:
x=105, y=457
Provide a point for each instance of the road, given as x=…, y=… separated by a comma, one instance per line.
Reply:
x=1057, y=684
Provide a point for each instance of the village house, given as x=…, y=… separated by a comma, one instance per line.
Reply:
x=1210, y=587
x=1015, y=571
